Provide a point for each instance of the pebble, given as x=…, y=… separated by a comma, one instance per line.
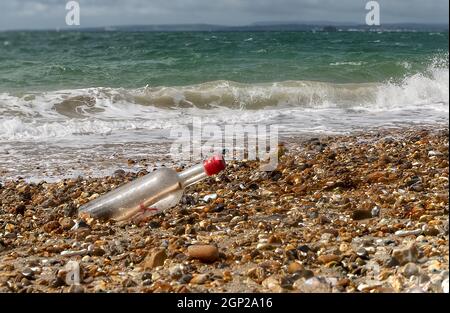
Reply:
x=445, y=285
x=406, y=255
x=272, y=283
x=66, y=223
x=431, y=231
x=199, y=279
x=366, y=286
x=361, y=214
x=312, y=285
x=362, y=252
x=51, y=226
x=404, y=233
x=325, y=259
x=434, y=153
x=70, y=253
x=176, y=271
x=207, y=198
x=27, y=272
x=264, y=246
x=155, y=258
x=410, y=269
x=375, y=211
x=76, y=289
x=204, y=253
x=295, y=267
x=186, y=278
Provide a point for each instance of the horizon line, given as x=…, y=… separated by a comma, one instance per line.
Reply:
x=255, y=24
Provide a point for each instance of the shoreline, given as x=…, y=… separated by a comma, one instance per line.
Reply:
x=365, y=212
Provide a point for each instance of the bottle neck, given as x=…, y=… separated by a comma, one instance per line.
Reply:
x=192, y=175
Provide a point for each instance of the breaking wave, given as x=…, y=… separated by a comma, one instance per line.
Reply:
x=105, y=110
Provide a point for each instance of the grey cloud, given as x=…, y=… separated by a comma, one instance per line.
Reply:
x=51, y=13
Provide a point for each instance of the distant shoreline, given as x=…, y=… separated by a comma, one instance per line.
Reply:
x=263, y=27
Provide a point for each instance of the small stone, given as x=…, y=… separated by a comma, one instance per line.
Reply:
x=327, y=258
x=410, y=269
x=343, y=247
x=155, y=258
x=375, y=211
x=66, y=223
x=361, y=214
x=119, y=173
x=435, y=266
x=274, y=240
x=207, y=198
x=185, y=279
x=434, y=153
x=27, y=272
x=147, y=282
x=199, y=279
x=176, y=271
x=425, y=218
x=304, y=273
x=146, y=275
x=69, y=253
x=295, y=267
x=431, y=231
x=303, y=248
x=264, y=246
x=128, y=282
x=404, y=233
x=362, y=252
x=406, y=255
x=19, y=209
x=69, y=209
x=344, y=282
x=257, y=273
x=444, y=285
x=10, y=228
x=204, y=253
x=312, y=285
x=271, y=283
x=76, y=289
x=369, y=285
x=391, y=262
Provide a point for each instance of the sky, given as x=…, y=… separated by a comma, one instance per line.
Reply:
x=51, y=14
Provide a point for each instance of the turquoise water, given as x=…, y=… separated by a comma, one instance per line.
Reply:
x=68, y=60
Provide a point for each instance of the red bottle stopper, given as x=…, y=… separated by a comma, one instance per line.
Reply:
x=214, y=165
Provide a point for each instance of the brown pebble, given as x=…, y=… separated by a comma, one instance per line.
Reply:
x=199, y=279
x=327, y=258
x=295, y=267
x=50, y=226
x=361, y=214
x=66, y=223
x=432, y=231
x=274, y=240
x=344, y=282
x=406, y=255
x=155, y=258
x=205, y=253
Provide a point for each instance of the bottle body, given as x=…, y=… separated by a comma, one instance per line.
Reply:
x=146, y=195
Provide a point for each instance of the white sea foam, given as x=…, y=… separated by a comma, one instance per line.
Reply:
x=348, y=63
x=297, y=105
